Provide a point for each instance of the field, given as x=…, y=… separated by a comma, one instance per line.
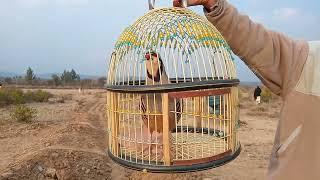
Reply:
x=68, y=141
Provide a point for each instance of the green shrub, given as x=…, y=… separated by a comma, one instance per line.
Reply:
x=11, y=96
x=41, y=96
x=67, y=97
x=38, y=96
x=15, y=96
x=4, y=98
x=266, y=95
x=23, y=113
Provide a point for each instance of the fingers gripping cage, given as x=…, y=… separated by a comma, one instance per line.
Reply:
x=172, y=102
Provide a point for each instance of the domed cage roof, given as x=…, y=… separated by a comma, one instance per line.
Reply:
x=170, y=48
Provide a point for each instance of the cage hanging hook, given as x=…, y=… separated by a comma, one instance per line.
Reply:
x=152, y=3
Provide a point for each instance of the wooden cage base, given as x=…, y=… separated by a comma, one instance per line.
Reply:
x=210, y=163
x=189, y=151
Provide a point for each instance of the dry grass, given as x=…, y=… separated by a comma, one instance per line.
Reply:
x=268, y=109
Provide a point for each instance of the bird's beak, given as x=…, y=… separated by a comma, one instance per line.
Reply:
x=147, y=56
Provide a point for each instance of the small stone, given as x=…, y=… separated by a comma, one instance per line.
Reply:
x=83, y=168
x=87, y=171
x=108, y=164
x=47, y=144
x=54, y=155
x=99, y=165
x=40, y=169
x=65, y=164
x=6, y=175
x=51, y=172
x=61, y=174
x=41, y=177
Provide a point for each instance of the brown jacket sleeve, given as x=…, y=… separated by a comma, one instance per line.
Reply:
x=276, y=59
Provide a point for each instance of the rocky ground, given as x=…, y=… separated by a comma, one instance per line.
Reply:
x=68, y=141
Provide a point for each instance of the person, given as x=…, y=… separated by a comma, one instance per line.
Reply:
x=257, y=95
x=289, y=68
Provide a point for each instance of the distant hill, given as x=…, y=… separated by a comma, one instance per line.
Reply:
x=248, y=83
x=82, y=76
x=46, y=75
x=7, y=74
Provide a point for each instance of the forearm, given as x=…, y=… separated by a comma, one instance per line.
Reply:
x=272, y=56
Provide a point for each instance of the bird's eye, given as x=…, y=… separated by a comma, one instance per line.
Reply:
x=155, y=55
x=147, y=56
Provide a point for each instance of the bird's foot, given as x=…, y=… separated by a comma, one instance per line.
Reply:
x=157, y=138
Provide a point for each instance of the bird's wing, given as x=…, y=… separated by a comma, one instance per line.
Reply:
x=143, y=108
x=179, y=109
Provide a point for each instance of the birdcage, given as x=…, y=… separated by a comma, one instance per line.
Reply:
x=172, y=101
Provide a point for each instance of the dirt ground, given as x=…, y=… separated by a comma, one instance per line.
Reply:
x=68, y=141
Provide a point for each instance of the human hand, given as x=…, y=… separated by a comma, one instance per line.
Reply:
x=206, y=3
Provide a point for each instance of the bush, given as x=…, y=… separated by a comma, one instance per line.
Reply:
x=11, y=96
x=41, y=96
x=23, y=113
x=4, y=98
x=15, y=96
x=66, y=97
x=38, y=96
x=266, y=95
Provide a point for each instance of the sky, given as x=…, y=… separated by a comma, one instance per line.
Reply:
x=53, y=35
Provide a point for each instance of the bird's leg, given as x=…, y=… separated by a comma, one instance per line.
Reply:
x=146, y=138
x=157, y=147
x=158, y=139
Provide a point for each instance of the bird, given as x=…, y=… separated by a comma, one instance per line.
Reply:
x=153, y=124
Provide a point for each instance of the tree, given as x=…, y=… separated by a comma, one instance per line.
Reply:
x=73, y=74
x=30, y=76
x=101, y=81
x=56, y=79
x=66, y=77
x=70, y=77
x=8, y=80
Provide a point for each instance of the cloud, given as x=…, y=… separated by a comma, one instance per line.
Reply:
x=31, y=3
x=286, y=13
x=41, y=3
x=72, y=2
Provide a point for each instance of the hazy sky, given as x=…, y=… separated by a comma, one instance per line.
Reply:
x=51, y=35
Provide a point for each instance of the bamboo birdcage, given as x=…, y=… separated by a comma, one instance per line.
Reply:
x=172, y=101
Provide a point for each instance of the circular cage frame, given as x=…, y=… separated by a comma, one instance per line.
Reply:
x=223, y=83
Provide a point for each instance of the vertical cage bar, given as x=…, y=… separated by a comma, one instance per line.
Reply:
x=149, y=111
x=109, y=118
x=128, y=96
x=156, y=125
x=224, y=121
x=214, y=121
x=123, y=118
x=197, y=111
x=115, y=124
x=135, y=130
x=166, y=131
x=142, y=124
x=196, y=123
